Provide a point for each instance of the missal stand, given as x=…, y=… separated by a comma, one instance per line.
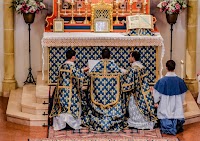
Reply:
x=29, y=19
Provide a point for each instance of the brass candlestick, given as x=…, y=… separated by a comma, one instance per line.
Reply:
x=72, y=21
x=123, y=8
x=131, y=3
x=117, y=20
x=86, y=14
x=58, y=9
x=144, y=6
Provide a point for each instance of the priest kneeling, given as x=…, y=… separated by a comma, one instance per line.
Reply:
x=66, y=108
x=107, y=104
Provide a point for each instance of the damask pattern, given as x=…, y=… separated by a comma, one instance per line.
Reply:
x=120, y=56
x=148, y=59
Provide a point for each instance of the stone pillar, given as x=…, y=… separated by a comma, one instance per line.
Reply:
x=9, y=82
x=192, y=19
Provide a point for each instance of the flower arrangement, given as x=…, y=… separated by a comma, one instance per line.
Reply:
x=28, y=6
x=172, y=6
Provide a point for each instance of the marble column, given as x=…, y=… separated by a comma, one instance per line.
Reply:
x=9, y=82
x=192, y=19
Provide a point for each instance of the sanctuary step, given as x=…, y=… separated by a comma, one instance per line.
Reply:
x=192, y=111
x=29, y=105
x=14, y=111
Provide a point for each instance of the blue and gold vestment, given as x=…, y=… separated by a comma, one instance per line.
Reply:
x=137, y=81
x=67, y=94
x=107, y=102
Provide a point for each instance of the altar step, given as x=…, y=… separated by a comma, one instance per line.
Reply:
x=192, y=111
x=14, y=112
x=29, y=105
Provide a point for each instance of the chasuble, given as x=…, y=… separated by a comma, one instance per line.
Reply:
x=141, y=105
x=67, y=103
x=106, y=102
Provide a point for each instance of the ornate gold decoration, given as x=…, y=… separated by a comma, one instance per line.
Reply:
x=72, y=21
x=102, y=10
x=86, y=14
x=117, y=13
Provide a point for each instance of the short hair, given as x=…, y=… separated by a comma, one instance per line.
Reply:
x=171, y=65
x=70, y=54
x=136, y=55
x=105, y=53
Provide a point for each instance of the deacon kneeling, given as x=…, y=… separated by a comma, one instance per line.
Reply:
x=169, y=94
x=66, y=108
x=142, y=113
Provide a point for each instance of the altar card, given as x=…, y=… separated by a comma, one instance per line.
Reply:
x=139, y=21
x=92, y=63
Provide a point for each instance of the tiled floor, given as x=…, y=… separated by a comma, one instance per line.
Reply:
x=14, y=132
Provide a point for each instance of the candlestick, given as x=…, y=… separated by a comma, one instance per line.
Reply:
x=86, y=11
x=144, y=6
x=58, y=8
x=131, y=2
x=72, y=21
x=182, y=69
x=117, y=20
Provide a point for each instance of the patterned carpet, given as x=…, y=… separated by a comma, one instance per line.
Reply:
x=87, y=135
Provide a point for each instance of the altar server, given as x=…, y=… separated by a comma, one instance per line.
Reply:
x=169, y=94
x=141, y=108
x=66, y=103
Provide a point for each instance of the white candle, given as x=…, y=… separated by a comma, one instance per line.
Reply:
x=182, y=69
x=72, y=1
x=58, y=1
x=145, y=1
x=117, y=1
x=86, y=1
x=131, y=1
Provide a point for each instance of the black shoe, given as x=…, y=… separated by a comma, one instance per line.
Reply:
x=68, y=127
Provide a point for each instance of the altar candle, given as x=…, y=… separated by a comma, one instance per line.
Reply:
x=86, y=1
x=182, y=69
x=58, y=1
x=145, y=1
x=131, y=1
x=117, y=1
x=72, y=1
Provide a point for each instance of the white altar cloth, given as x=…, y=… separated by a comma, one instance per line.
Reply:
x=51, y=39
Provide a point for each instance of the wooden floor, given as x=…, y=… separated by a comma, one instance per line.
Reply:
x=14, y=132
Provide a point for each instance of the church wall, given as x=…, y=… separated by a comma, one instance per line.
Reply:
x=21, y=45
x=198, y=39
x=179, y=33
x=1, y=45
x=37, y=28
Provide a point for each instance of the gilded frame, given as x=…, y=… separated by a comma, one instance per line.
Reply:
x=102, y=6
x=58, y=25
x=101, y=25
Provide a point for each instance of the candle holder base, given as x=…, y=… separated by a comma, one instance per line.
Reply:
x=116, y=22
x=86, y=22
x=72, y=21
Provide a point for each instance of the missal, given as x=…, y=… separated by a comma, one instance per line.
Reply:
x=139, y=21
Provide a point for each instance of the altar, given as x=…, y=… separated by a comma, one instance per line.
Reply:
x=89, y=46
